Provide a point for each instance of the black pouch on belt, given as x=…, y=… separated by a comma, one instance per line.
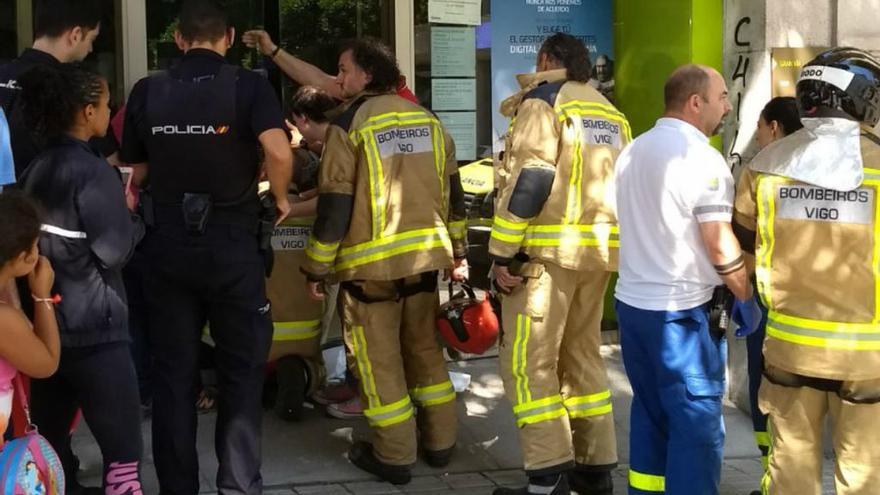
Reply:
x=196, y=212
x=720, y=309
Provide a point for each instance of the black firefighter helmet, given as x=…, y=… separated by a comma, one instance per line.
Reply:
x=841, y=82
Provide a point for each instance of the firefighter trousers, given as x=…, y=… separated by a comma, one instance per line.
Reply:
x=553, y=371
x=797, y=419
x=400, y=366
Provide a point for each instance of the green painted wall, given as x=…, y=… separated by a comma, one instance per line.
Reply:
x=653, y=37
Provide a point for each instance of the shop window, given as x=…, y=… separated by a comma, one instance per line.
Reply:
x=8, y=31
x=474, y=142
x=162, y=22
x=313, y=29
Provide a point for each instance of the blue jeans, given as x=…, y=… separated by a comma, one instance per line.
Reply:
x=677, y=369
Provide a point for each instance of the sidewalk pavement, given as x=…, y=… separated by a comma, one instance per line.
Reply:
x=309, y=457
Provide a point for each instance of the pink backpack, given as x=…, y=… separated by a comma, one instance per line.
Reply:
x=28, y=464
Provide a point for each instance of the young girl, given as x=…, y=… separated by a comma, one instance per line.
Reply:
x=89, y=236
x=32, y=351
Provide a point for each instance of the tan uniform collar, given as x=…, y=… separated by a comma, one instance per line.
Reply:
x=345, y=105
x=529, y=82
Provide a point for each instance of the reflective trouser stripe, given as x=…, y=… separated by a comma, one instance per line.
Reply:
x=825, y=334
x=391, y=414
x=433, y=395
x=520, y=357
x=647, y=482
x=365, y=368
x=393, y=245
x=539, y=410
x=572, y=235
x=321, y=252
x=508, y=232
x=762, y=438
x=589, y=405
x=296, y=330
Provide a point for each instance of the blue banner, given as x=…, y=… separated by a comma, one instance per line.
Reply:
x=520, y=26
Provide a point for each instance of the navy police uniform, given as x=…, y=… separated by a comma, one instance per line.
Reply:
x=197, y=128
x=24, y=150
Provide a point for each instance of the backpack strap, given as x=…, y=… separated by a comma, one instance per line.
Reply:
x=21, y=397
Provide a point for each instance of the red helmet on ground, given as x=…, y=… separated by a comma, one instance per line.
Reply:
x=468, y=324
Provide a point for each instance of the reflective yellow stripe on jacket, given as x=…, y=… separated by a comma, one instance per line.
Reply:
x=286, y=331
x=806, y=331
x=392, y=245
x=575, y=110
x=572, y=235
x=366, y=134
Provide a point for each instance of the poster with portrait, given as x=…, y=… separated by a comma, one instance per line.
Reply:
x=519, y=27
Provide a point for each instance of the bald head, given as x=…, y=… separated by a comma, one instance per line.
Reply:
x=697, y=94
x=686, y=81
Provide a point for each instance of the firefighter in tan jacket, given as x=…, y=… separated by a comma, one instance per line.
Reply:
x=390, y=216
x=808, y=207
x=554, y=244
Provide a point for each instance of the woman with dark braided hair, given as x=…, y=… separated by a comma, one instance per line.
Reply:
x=89, y=235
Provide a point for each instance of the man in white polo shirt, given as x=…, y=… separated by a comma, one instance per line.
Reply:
x=675, y=201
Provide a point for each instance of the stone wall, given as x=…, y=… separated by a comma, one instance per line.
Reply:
x=751, y=29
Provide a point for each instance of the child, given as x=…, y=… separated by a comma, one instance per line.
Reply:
x=32, y=351
x=89, y=236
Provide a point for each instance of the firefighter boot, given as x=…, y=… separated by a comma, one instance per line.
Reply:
x=591, y=483
x=361, y=455
x=556, y=484
x=292, y=383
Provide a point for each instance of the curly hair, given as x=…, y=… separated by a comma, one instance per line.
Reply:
x=377, y=60
x=51, y=97
x=20, y=226
x=571, y=53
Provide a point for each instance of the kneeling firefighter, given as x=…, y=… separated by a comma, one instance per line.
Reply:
x=300, y=324
x=807, y=206
x=390, y=216
x=553, y=243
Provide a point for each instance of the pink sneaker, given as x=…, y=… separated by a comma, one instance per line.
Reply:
x=333, y=394
x=349, y=409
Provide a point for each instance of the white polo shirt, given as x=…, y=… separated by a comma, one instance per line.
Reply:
x=669, y=180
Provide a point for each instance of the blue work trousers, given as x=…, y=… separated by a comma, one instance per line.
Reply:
x=677, y=369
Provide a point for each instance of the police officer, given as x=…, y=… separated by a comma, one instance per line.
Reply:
x=64, y=31
x=390, y=215
x=553, y=243
x=195, y=132
x=807, y=205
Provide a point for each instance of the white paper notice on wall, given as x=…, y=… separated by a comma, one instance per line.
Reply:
x=462, y=126
x=453, y=94
x=464, y=12
x=453, y=52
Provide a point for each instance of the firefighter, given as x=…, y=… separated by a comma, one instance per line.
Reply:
x=553, y=243
x=296, y=342
x=808, y=209
x=390, y=216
